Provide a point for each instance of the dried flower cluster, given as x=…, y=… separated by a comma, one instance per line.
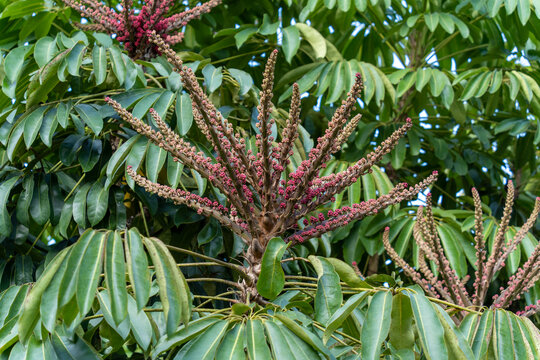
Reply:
x=449, y=286
x=132, y=26
x=265, y=196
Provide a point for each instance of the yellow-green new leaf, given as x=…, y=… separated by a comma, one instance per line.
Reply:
x=314, y=38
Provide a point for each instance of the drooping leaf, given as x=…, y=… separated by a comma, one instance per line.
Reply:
x=328, y=297
x=376, y=324
x=88, y=279
x=342, y=313
x=272, y=278
x=213, y=77
x=115, y=276
x=30, y=313
x=173, y=288
x=291, y=42
x=315, y=39
x=5, y=220
x=184, y=113
x=257, y=348
x=429, y=327
x=137, y=267
x=401, y=331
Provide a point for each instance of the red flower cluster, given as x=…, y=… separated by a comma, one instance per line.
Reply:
x=265, y=196
x=133, y=26
x=450, y=286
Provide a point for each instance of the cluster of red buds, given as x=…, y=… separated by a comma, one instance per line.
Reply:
x=132, y=26
x=449, y=286
x=266, y=196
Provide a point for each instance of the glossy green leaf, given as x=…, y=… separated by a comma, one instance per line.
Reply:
x=213, y=77
x=91, y=117
x=302, y=350
x=118, y=64
x=457, y=344
x=291, y=42
x=175, y=170
x=90, y=153
x=40, y=206
x=405, y=84
x=115, y=277
x=69, y=281
x=14, y=61
x=423, y=76
x=184, y=334
x=30, y=313
x=48, y=307
x=184, y=113
x=503, y=342
x=48, y=127
x=155, y=159
x=119, y=157
x=272, y=278
x=267, y=27
x=346, y=273
x=328, y=297
x=531, y=334
x=173, y=289
x=32, y=124
x=140, y=324
x=9, y=334
x=79, y=205
x=482, y=337
x=432, y=20
x=72, y=347
x=429, y=327
x=257, y=348
x=74, y=58
x=314, y=38
x=97, y=203
x=401, y=331
x=25, y=198
x=23, y=8
x=232, y=346
x=304, y=334
x=342, y=313
x=468, y=326
x=280, y=347
x=99, y=59
x=137, y=266
x=376, y=325
x=244, y=81
x=5, y=219
x=88, y=279
x=452, y=250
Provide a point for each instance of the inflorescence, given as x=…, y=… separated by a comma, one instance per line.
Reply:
x=132, y=26
x=449, y=286
x=265, y=196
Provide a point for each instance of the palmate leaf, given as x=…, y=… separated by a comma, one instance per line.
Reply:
x=68, y=287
